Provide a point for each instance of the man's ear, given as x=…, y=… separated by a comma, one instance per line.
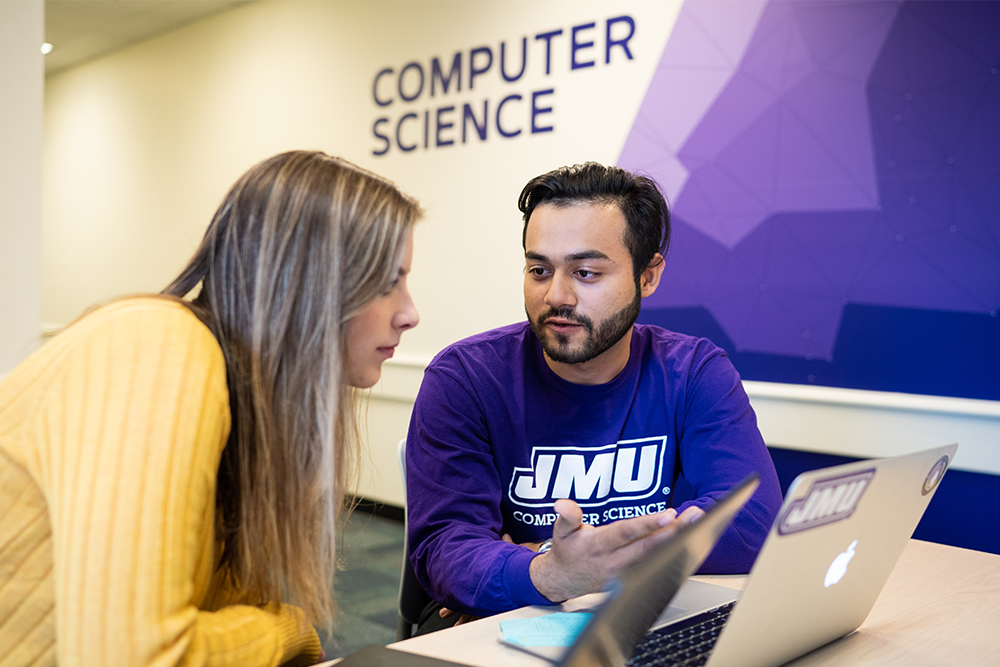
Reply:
x=649, y=279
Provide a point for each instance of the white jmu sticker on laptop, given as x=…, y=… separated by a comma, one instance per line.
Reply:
x=829, y=500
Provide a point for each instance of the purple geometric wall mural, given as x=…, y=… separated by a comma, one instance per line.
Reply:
x=834, y=175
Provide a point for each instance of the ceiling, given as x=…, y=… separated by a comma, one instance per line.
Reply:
x=80, y=30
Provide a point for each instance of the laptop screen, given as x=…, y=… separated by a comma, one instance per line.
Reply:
x=642, y=591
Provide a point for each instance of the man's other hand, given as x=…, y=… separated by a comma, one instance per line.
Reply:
x=534, y=546
x=444, y=612
x=583, y=558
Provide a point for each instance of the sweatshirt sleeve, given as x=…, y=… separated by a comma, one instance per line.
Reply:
x=453, y=504
x=135, y=424
x=721, y=445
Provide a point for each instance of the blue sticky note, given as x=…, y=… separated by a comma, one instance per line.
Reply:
x=559, y=629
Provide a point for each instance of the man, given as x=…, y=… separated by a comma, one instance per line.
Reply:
x=571, y=429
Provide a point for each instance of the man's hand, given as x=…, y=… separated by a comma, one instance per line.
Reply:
x=444, y=612
x=583, y=558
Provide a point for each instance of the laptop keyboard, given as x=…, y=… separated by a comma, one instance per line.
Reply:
x=686, y=643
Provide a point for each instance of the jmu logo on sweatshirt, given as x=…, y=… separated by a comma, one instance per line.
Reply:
x=828, y=500
x=592, y=476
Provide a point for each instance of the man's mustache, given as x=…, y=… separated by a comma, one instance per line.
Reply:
x=566, y=314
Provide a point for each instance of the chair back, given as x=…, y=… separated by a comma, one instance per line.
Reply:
x=412, y=596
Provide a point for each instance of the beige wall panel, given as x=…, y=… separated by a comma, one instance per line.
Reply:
x=21, y=30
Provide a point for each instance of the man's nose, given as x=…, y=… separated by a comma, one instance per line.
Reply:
x=561, y=293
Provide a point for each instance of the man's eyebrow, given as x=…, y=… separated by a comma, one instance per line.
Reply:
x=573, y=257
x=587, y=254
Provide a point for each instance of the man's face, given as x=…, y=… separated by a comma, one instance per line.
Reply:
x=579, y=290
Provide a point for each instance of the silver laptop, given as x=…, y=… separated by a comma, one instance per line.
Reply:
x=837, y=538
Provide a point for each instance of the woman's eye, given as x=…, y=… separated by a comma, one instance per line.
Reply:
x=388, y=290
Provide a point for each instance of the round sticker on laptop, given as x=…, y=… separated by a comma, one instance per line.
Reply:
x=935, y=475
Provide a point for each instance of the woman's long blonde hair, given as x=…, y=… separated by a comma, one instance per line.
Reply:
x=301, y=243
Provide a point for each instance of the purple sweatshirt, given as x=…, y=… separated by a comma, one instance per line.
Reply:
x=496, y=437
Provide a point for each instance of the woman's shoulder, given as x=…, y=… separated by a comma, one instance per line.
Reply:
x=152, y=320
x=150, y=309
x=134, y=360
x=150, y=334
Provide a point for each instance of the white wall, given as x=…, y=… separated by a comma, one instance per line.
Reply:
x=142, y=144
x=21, y=78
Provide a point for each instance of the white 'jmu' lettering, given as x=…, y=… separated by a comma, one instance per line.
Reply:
x=573, y=472
x=534, y=488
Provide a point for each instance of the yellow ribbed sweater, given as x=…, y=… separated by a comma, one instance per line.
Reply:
x=110, y=440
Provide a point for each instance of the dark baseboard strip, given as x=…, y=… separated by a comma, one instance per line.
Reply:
x=377, y=508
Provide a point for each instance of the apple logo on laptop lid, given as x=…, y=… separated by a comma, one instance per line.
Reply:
x=838, y=568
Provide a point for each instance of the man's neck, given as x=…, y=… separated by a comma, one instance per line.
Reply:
x=601, y=369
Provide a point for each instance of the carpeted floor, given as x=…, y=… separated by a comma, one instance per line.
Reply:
x=367, y=587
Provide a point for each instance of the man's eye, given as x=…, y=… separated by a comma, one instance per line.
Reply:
x=537, y=271
x=587, y=274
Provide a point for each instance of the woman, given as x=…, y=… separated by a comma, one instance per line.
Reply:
x=171, y=472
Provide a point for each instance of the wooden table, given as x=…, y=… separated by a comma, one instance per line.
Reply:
x=941, y=606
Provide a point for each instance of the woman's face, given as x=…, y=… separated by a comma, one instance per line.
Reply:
x=374, y=333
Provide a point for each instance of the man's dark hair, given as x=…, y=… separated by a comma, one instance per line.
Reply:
x=637, y=197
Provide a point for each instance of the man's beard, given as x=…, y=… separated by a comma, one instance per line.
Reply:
x=598, y=341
